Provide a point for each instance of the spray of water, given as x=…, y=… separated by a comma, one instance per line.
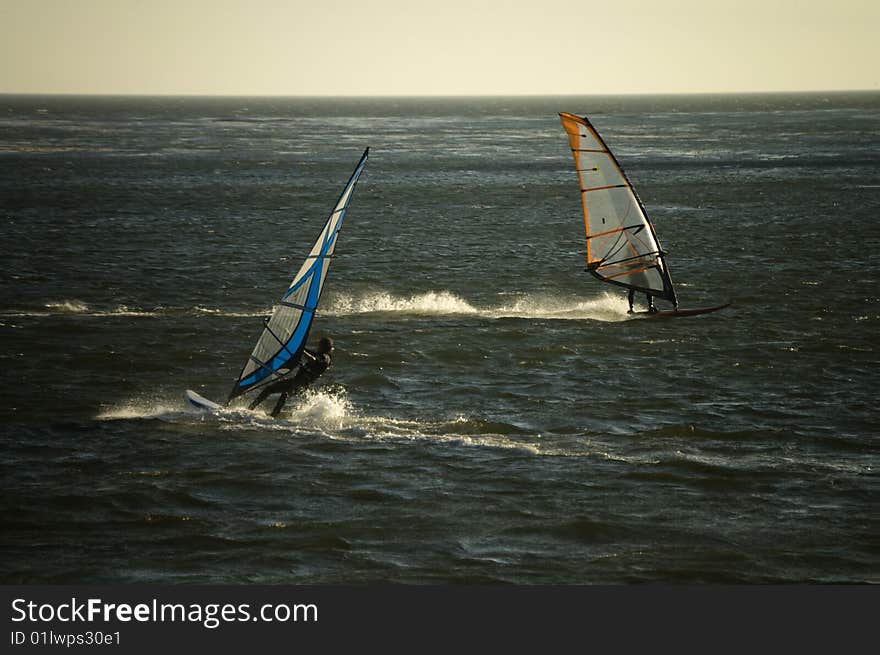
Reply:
x=432, y=302
x=606, y=307
x=324, y=412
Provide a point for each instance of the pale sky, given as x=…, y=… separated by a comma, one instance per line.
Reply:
x=444, y=47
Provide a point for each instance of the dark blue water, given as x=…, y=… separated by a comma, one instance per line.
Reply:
x=492, y=414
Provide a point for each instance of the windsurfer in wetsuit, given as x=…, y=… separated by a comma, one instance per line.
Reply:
x=312, y=365
x=631, y=297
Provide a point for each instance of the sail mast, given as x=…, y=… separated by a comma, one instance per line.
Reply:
x=622, y=246
x=280, y=345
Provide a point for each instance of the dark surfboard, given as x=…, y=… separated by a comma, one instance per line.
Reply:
x=676, y=313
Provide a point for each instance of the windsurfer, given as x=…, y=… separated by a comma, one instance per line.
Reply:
x=312, y=365
x=650, y=300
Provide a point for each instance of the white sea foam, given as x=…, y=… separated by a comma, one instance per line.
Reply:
x=53, y=308
x=67, y=307
x=140, y=408
x=606, y=307
x=324, y=412
x=432, y=302
x=78, y=307
x=324, y=409
x=212, y=311
x=124, y=310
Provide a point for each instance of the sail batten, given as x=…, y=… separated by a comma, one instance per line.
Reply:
x=622, y=247
x=603, y=188
x=635, y=228
x=293, y=304
x=280, y=345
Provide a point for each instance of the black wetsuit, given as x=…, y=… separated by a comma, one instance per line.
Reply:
x=650, y=300
x=312, y=366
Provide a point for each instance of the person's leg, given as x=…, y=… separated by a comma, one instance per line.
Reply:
x=264, y=393
x=280, y=404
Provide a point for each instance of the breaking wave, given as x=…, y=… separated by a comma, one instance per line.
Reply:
x=606, y=307
x=432, y=302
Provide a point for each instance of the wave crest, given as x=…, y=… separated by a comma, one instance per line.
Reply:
x=67, y=307
x=432, y=302
x=606, y=307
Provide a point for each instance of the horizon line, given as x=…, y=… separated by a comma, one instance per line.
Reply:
x=378, y=96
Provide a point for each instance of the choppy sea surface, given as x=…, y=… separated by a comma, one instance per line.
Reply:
x=492, y=414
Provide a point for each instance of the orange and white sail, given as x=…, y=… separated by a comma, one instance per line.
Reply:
x=622, y=247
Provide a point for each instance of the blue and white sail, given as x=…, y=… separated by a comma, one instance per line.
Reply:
x=279, y=348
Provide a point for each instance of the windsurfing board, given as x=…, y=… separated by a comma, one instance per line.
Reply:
x=676, y=313
x=200, y=402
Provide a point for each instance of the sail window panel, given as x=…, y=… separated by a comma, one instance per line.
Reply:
x=612, y=248
x=302, y=272
x=619, y=252
x=331, y=245
x=280, y=327
x=324, y=269
x=300, y=287
x=589, y=142
x=265, y=348
x=598, y=170
x=318, y=247
x=343, y=199
x=283, y=322
x=249, y=368
x=643, y=272
x=583, y=138
x=650, y=279
x=612, y=209
x=326, y=242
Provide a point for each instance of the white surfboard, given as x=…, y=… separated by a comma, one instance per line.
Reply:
x=200, y=402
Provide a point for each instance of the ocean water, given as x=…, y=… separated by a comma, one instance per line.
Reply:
x=492, y=414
